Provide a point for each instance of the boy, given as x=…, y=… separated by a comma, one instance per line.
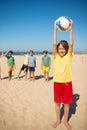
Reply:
x=10, y=62
x=46, y=60
x=32, y=65
x=63, y=91
x=25, y=65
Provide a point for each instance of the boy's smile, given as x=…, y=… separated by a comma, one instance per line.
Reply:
x=61, y=50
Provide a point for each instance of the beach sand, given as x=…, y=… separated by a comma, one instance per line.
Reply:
x=29, y=105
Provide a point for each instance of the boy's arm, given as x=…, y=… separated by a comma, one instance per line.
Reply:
x=55, y=38
x=41, y=62
x=6, y=54
x=14, y=63
x=71, y=38
x=34, y=61
x=49, y=62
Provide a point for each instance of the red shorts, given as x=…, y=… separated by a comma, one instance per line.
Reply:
x=63, y=93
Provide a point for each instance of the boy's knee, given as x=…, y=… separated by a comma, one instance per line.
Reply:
x=57, y=104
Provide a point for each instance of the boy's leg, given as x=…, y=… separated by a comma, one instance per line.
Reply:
x=26, y=70
x=26, y=75
x=57, y=109
x=22, y=68
x=66, y=114
x=9, y=75
x=19, y=73
x=29, y=75
x=45, y=75
x=33, y=76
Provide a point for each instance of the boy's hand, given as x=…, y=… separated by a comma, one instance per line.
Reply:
x=55, y=26
x=71, y=25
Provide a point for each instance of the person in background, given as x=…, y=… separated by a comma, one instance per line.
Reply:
x=31, y=65
x=24, y=66
x=45, y=65
x=10, y=63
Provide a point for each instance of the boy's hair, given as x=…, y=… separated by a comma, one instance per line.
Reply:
x=45, y=51
x=10, y=51
x=31, y=51
x=64, y=43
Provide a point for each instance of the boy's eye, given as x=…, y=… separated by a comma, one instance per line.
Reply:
x=61, y=49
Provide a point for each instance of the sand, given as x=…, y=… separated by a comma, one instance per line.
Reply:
x=29, y=105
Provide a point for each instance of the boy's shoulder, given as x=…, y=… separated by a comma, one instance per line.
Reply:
x=49, y=56
x=32, y=57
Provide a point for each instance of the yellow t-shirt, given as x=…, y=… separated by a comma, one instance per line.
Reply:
x=62, y=69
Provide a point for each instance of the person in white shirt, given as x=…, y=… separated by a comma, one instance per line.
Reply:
x=24, y=66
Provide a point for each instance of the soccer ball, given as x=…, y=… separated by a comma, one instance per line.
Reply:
x=63, y=23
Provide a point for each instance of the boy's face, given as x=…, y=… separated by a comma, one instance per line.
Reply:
x=61, y=50
x=31, y=53
x=45, y=54
x=10, y=53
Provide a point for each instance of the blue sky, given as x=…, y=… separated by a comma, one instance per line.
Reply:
x=28, y=24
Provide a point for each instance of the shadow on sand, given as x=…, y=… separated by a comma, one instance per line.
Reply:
x=73, y=106
x=41, y=76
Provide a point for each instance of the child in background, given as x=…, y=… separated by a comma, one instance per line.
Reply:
x=24, y=66
x=10, y=62
x=46, y=60
x=32, y=65
x=63, y=93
